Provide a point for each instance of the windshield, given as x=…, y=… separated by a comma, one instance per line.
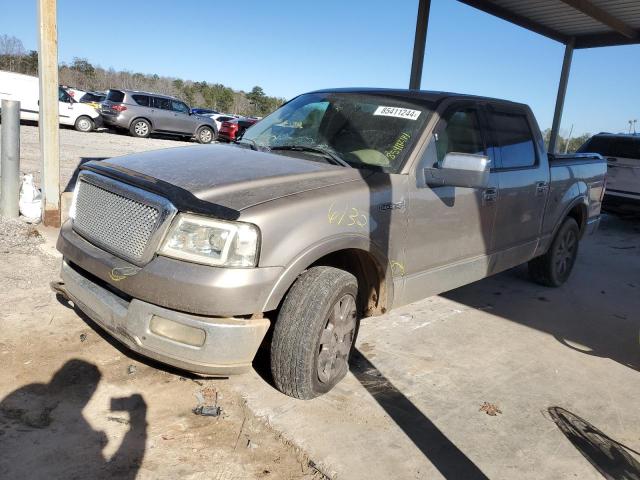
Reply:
x=363, y=130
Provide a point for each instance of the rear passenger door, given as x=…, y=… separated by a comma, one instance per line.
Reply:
x=162, y=116
x=523, y=182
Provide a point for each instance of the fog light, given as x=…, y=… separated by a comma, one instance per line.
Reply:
x=177, y=331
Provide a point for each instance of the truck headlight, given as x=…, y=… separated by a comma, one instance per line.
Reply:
x=212, y=242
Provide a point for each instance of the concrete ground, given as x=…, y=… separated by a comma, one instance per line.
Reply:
x=557, y=368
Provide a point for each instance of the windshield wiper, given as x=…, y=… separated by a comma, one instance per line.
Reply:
x=251, y=143
x=328, y=154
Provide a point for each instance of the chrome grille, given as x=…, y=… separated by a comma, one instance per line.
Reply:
x=117, y=220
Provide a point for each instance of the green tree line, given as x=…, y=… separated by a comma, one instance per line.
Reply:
x=82, y=74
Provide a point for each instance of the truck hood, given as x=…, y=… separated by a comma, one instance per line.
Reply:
x=231, y=177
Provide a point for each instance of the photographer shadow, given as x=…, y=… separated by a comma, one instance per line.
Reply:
x=43, y=433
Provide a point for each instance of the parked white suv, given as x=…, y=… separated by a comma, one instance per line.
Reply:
x=622, y=152
x=25, y=89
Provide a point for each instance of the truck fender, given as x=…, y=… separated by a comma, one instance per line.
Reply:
x=325, y=247
x=581, y=201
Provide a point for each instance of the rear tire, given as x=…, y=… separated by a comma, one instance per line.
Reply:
x=554, y=267
x=315, y=333
x=205, y=135
x=140, y=128
x=84, y=124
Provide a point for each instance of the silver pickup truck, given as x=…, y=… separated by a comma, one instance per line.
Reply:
x=342, y=204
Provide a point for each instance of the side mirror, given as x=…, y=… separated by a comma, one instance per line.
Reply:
x=460, y=170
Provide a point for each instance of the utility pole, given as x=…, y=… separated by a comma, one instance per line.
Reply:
x=634, y=126
x=48, y=119
x=566, y=145
x=630, y=122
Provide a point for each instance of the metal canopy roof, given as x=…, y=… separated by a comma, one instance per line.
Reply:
x=592, y=23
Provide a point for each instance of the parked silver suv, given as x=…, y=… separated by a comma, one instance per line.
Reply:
x=142, y=113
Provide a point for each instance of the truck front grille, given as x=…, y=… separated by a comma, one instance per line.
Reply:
x=120, y=219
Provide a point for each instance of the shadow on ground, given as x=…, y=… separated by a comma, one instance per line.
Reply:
x=42, y=423
x=610, y=458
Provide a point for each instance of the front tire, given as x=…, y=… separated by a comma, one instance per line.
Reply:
x=84, y=124
x=554, y=267
x=140, y=128
x=315, y=333
x=205, y=135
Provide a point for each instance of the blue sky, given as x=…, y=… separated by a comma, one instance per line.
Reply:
x=289, y=47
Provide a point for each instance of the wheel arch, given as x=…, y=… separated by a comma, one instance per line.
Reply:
x=355, y=255
x=141, y=117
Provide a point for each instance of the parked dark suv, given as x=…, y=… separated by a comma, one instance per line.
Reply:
x=142, y=113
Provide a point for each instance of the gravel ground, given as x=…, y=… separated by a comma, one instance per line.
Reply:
x=75, y=146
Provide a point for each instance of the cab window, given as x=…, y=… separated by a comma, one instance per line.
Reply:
x=514, y=139
x=459, y=132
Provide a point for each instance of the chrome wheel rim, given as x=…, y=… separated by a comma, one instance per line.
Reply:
x=205, y=135
x=565, y=252
x=141, y=128
x=336, y=339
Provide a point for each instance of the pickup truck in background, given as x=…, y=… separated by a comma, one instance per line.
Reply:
x=622, y=153
x=339, y=205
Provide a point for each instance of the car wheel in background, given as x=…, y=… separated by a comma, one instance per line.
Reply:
x=315, y=333
x=84, y=124
x=140, y=128
x=554, y=267
x=204, y=135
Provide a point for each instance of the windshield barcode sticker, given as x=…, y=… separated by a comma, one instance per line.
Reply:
x=397, y=112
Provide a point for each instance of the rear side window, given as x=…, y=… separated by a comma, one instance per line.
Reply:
x=163, y=103
x=459, y=131
x=142, y=100
x=514, y=138
x=115, y=96
x=605, y=146
x=628, y=147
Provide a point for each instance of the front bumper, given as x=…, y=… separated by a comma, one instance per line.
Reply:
x=175, y=284
x=209, y=345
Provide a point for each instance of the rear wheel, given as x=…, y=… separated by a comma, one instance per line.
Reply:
x=84, y=124
x=315, y=333
x=140, y=128
x=204, y=135
x=554, y=267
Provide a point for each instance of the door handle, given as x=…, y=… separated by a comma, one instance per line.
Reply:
x=490, y=195
x=541, y=188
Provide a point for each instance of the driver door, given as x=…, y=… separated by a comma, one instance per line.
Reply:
x=450, y=228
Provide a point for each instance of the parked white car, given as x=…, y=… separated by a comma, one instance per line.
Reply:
x=25, y=89
x=219, y=118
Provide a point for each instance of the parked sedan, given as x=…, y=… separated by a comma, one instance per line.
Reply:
x=231, y=130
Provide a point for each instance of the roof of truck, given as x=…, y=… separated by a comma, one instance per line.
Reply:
x=428, y=95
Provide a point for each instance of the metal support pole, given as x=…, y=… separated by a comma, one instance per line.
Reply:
x=48, y=121
x=10, y=159
x=562, y=91
x=419, y=43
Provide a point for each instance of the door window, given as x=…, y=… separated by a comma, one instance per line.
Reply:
x=628, y=147
x=514, y=138
x=459, y=132
x=177, y=106
x=605, y=146
x=162, y=103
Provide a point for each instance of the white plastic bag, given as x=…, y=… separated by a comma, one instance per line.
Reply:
x=30, y=200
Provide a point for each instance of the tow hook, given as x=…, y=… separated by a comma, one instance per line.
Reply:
x=58, y=288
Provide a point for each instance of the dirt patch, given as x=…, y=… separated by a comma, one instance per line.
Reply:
x=70, y=403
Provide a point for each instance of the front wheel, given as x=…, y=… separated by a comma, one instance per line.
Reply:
x=204, y=135
x=84, y=124
x=554, y=267
x=315, y=333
